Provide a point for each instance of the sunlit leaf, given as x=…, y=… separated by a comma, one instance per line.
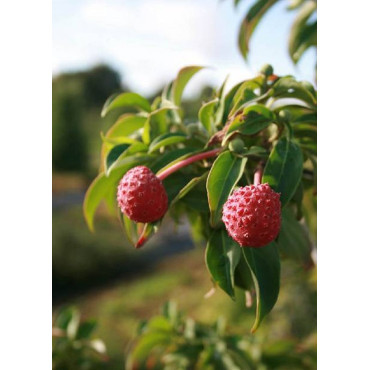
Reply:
x=183, y=77
x=207, y=115
x=126, y=100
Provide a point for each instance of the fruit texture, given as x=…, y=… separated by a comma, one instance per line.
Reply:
x=252, y=215
x=141, y=195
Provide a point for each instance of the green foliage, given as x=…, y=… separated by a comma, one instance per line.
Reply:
x=303, y=33
x=73, y=344
x=173, y=341
x=274, y=121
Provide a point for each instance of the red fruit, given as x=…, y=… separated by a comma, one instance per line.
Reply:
x=141, y=195
x=252, y=215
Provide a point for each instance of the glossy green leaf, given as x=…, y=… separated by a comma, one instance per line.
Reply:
x=166, y=139
x=117, y=140
x=207, y=115
x=252, y=120
x=264, y=264
x=223, y=176
x=293, y=241
x=288, y=87
x=126, y=125
x=284, y=168
x=125, y=100
x=222, y=257
x=134, y=153
x=183, y=77
x=114, y=153
x=254, y=15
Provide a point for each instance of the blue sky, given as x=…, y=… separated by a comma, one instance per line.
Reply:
x=148, y=41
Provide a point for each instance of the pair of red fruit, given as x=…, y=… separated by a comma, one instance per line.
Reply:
x=252, y=214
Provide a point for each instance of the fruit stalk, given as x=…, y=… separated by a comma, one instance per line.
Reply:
x=257, y=177
x=188, y=161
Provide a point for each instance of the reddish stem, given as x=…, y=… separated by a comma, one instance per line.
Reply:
x=188, y=161
x=258, y=176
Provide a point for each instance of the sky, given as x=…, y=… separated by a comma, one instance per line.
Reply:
x=148, y=41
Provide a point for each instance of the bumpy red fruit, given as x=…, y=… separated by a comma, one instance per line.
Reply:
x=141, y=195
x=252, y=215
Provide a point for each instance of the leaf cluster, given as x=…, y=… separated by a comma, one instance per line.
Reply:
x=265, y=122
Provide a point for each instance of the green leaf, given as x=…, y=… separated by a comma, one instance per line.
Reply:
x=246, y=93
x=264, y=264
x=222, y=257
x=303, y=34
x=94, y=196
x=223, y=176
x=86, y=329
x=228, y=101
x=288, y=87
x=284, y=168
x=293, y=240
x=166, y=139
x=254, y=15
x=156, y=124
x=207, y=115
x=252, y=120
x=125, y=100
x=243, y=278
x=183, y=77
x=114, y=153
x=134, y=154
x=126, y=125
